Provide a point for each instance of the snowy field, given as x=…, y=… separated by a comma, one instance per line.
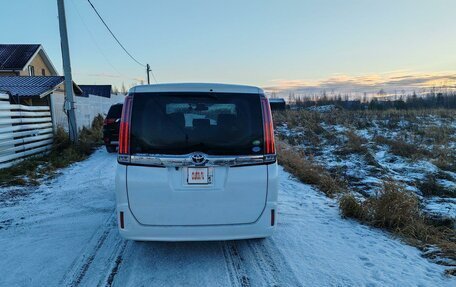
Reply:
x=63, y=233
x=413, y=148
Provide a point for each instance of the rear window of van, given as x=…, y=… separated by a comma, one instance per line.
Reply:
x=182, y=123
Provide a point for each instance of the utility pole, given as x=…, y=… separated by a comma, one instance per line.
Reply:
x=148, y=71
x=69, y=101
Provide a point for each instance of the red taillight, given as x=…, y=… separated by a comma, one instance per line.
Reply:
x=269, y=145
x=121, y=220
x=124, y=134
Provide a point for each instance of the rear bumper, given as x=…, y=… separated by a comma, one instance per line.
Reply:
x=135, y=231
x=111, y=140
x=110, y=137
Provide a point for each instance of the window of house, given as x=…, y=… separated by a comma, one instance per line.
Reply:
x=31, y=70
x=43, y=72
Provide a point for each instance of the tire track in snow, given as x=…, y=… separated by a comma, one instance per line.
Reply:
x=81, y=266
x=272, y=264
x=237, y=270
x=257, y=262
x=115, y=266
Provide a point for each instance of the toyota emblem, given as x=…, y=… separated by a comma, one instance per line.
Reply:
x=198, y=158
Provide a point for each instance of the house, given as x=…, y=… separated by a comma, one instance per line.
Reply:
x=32, y=100
x=25, y=60
x=28, y=76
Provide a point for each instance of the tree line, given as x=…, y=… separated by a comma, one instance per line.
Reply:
x=431, y=100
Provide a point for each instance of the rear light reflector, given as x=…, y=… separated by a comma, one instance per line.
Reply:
x=121, y=220
x=124, y=135
x=269, y=144
x=272, y=217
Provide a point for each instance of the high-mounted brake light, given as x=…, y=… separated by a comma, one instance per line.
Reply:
x=124, y=135
x=269, y=145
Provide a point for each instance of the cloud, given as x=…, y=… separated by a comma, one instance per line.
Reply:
x=390, y=83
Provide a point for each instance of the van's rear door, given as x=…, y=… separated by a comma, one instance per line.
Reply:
x=162, y=196
x=210, y=126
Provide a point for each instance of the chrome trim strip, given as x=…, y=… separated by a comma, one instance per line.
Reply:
x=186, y=160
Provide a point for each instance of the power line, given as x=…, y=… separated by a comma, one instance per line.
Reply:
x=95, y=41
x=153, y=75
x=117, y=40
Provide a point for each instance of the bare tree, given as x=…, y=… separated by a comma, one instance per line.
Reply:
x=123, y=90
x=115, y=90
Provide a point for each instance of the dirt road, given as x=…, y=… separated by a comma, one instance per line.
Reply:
x=63, y=233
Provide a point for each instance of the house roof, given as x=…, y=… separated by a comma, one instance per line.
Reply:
x=98, y=90
x=38, y=86
x=16, y=57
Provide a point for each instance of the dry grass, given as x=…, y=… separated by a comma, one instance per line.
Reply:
x=357, y=145
x=430, y=187
x=398, y=211
x=354, y=144
x=444, y=158
x=350, y=207
x=363, y=119
x=307, y=171
x=412, y=134
x=402, y=148
x=450, y=272
x=440, y=135
x=63, y=153
x=417, y=129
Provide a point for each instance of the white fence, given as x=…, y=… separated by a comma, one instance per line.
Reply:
x=87, y=108
x=24, y=131
x=28, y=130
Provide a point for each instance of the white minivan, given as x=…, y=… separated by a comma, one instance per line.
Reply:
x=196, y=162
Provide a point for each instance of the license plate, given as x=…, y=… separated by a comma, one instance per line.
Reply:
x=199, y=175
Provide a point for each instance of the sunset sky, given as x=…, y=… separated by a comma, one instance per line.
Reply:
x=283, y=46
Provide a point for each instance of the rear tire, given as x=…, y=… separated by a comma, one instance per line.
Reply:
x=110, y=148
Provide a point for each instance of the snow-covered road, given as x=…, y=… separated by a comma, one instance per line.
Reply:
x=63, y=233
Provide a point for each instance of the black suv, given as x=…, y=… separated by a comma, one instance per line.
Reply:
x=111, y=127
